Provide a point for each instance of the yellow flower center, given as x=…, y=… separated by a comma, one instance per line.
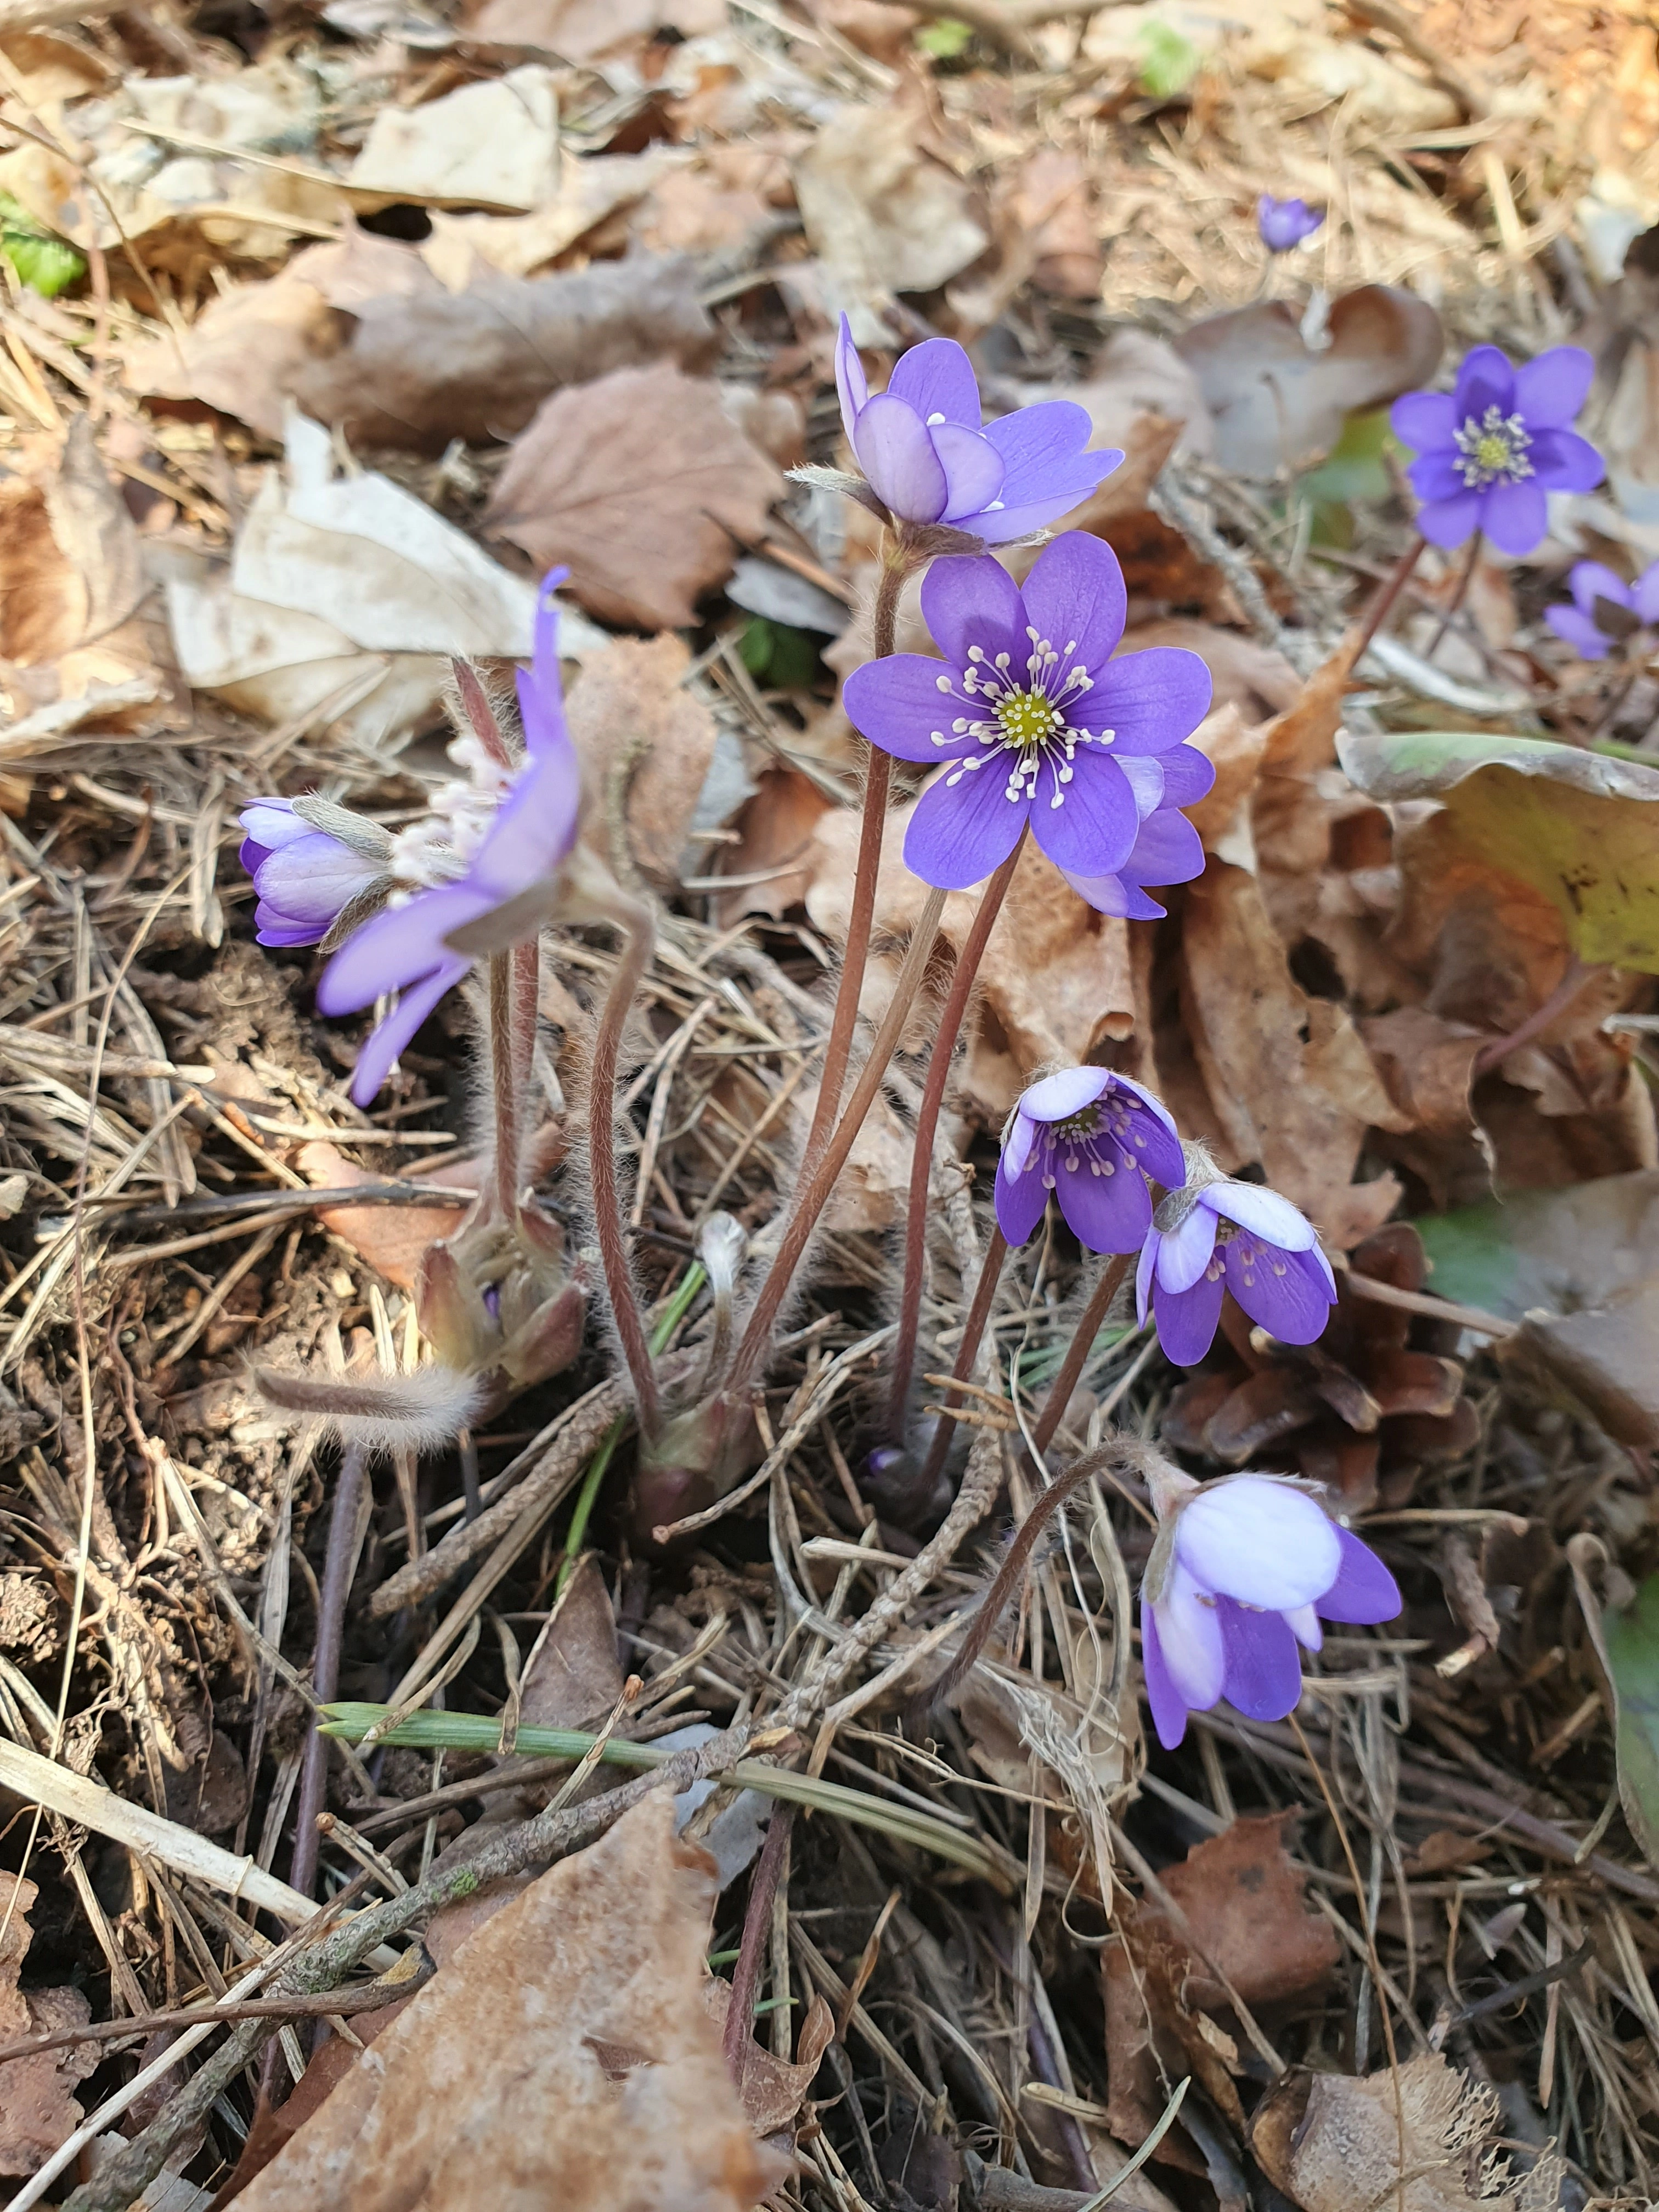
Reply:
x=1493, y=449
x=1027, y=719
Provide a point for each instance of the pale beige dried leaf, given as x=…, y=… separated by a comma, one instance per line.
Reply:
x=563, y=2057
x=632, y=716
x=1347, y=2152
x=578, y=30
x=37, y=2110
x=644, y=485
x=1051, y=200
x=95, y=533
x=494, y=144
x=519, y=245
x=1233, y=748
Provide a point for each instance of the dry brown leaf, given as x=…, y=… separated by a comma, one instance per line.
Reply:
x=1247, y=1915
x=573, y=1675
x=643, y=484
x=716, y=203
x=1427, y=1063
x=37, y=2109
x=876, y=26
x=578, y=30
x=366, y=338
x=1233, y=747
x=631, y=715
x=588, y=192
x=1051, y=201
x=592, y=2074
x=775, y=843
x=774, y=2089
x=1254, y=677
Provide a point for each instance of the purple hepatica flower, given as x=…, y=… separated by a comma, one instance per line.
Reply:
x=1490, y=449
x=1093, y=1139
x=1605, y=608
x=1285, y=223
x=1242, y=1572
x=1212, y=1238
x=307, y=877
x=513, y=865
x=1031, y=718
x=1167, y=848
x=926, y=457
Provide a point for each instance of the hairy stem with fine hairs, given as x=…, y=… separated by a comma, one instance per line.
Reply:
x=985, y=1289
x=505, y=1085
x=1082, y=1337
x=921, y=1159
x=526, y=1010
x=340, y=1559
x=633, y=920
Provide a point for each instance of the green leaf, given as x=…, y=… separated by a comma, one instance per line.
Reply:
x=1579, y=828
x=46, y=265
x=1168, y=63
x=776, y=654
x=1355, y=467
x=945, y=38
x=754, y=646
x=1632, y=1640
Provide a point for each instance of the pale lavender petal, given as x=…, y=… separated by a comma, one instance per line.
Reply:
x=273, y=927
x=1075, y=597
x=311, y=878
x=1644, y=594
x=1058, y=1096
x=1425, y=420
x=1263, y=1667
x=1578, y=631
x=852, y=386
x=392, y=1035
x=1363, y=1592
x=963, y=832
x=1189, y=1639
x=541, y=696
x=396, y=948
x=897, y=455
x=1515, y=516
x=1020, y=1196
x=973, y=470
x=1145, y=772
x=1185, y=1252
x=272, y=823
x=1021, y=1137
x=937, y=379
x=898, y=705
x=1486, y=380
x=1167, y=1709
x=1106, y=1205
x=1563, y=461
x=1188, y=776
x=1186, y=1319
x=1253, y=1207
x=535, y=826
x=1145, y=1267
x=970, y=599
x=1283, y=1292
x=1151, y=700
x=1257, y=1540
x=1088, y=825
x=1303, y=1621
x=1448, y=522
x=1550, y=390
x=1591, y=581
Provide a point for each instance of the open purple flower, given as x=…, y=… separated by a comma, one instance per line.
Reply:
x=504, y=890
x=306, y=876
x=1093, y=1139
x=1605, y=608
x=1212, y=1237
x=1242, y=1573
x=1285, y=223
x=1030, y=717
x=928, y=457
x=1489, y=450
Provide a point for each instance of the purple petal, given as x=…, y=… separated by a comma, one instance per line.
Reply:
x=1591, y=581
x=1436, y=476
x=1106, y=1204
x=962, y=832
x=1260, y=1541
x=852, y=386
x=273, y=823
x=1515, y=516
x=1188, y=776
x=1167, y=1709
x=1449, y=522
x=1075, y=597
x=1048, y=472
x=541, y=696
x=252, y=856
x=1058, y=1096
x=1146, y=1268
x=310, y=878
x=1167, y=850
x=1263, y=1211
x=397, y=948
x=897, y=455
x=1152, y=700
x=1190, y=1641
x=1088, y=825
x=1019, y=1138
x=1427, y=421
x=1263, y=1678
x=1550, y=390
x=1020, y=1196
x=970, y=599
x=1186, y=1251
x=1117, y=895
x=1563, y=461
x=275, y=929
x=1579, y=632
x=1186, y=1319
x=392, y=1035
x=937, y=379
x=1363, y=1592
x=973, y=470
x=998, y=525
x=1144, y=773
x=1486, y=380
x=1644, y=594
x=898, y=705
x=1285, y=1292
x=535, y=825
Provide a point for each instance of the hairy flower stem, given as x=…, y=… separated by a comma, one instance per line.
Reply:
x=1094, y=1315
x=921, y=1158
x=819, y=1178
x=340, y=1559
x=1454, y=606
x=896, y=565
x=526, y=1010
x=1382, y=605
x=638, y=933
x=979, y=1312
x=738, y=2032
x=506, y=1088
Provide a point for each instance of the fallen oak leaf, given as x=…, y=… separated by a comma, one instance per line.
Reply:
x=37, y=2110
x=630, y=713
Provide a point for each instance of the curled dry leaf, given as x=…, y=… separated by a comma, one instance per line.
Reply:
x=491, y=145
x=37, y=2106
x=581, y=30
x=646, y=745
x=643, y=484
x=593, y=2074
x=519, y=245
x=775, y=2089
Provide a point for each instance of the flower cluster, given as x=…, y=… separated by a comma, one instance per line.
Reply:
x=1490, y=449
x=1605, y=610
x=1285, y=223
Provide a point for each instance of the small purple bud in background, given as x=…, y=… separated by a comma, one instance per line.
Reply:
x=310, y=861
x=1490, y=448
x=1217, y=1236
x=1605, y=608
x=1092, y=1139
x=1285, y=223
x=1242, y=1573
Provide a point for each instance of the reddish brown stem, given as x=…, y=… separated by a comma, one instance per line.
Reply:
x=1094, y=1315
x=1382, y=605
x=504, y=1075
x=1455, y=608
x=979, y=1312
x=756, y=1927
x=1574, y=977
x=921, y=1158
x=634, y=922
x=526, y=1010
